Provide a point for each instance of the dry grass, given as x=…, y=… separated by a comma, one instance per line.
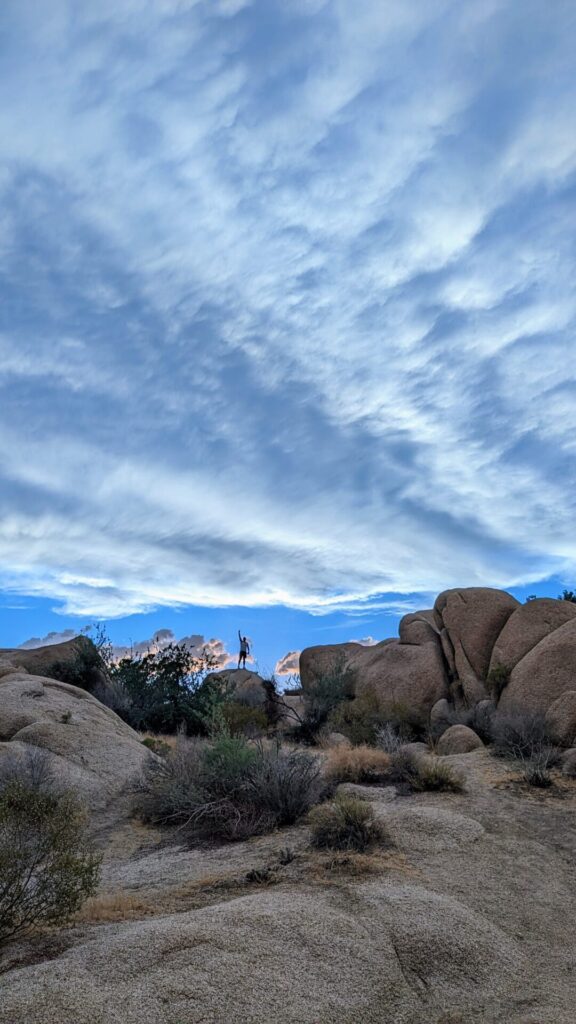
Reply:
x=116, y=906
x=356, y=764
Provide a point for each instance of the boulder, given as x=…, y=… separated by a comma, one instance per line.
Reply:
x=544, y=674
x=458, y=739
x=561, y=719
x=76, y=662
x=407, y=675
x=245, y=686
x=440, y=714
x=569, y=763
x=527, y=626
x=473, y=618
x=94, y=749
x=418, y=627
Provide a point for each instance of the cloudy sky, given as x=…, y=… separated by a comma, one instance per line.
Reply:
x=287, y=312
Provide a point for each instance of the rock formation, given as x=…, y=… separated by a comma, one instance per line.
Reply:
x=92, y=749
x=445, y=657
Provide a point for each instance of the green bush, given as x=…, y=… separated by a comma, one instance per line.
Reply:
x=46, y=867
x=156, y=745
x=358, y=719
x=323, y=694
x=347, y=823
x=165, y=691
x=229, y=788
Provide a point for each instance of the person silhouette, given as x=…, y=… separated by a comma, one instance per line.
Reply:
x=244, y=650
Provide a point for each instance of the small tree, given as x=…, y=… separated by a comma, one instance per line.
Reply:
x=46, y=868
x=568, y=595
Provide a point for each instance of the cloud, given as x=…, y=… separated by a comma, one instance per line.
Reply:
x=47, y=641
x=366, y=641
x=289, y=665
x=286, y=295
x=213, y=650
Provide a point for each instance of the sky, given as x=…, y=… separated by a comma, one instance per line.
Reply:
x=287, y=313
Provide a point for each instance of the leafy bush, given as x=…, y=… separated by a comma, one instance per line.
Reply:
x=357, y=719
x=46, y=867
x=165, y=691
x=568, y=595
x=347, y=823
x=497, y=679
x=329, y=689
x=356, y=764
x=423, y=774
x=230, y=789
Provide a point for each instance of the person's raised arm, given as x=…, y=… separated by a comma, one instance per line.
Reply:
x=239, y=635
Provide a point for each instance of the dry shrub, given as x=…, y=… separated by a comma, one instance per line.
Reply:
x=245, y=719
x=352, y=864
x=229, y=788
x=348, y=823
x=525, y=737
x=119, y=906
x=356, y=764
x=424, y=774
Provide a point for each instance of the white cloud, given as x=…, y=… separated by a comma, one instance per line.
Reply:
x=295, y=310
x=288, y=665
x=51, y=638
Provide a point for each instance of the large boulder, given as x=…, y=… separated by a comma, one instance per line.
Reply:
x=472, y=619
x=544, y=674
x=561, y=719
x=94, y=750
x=410, y=675
x=76, y=662
x=244, y=686
x=458, y=739
x=388, y=952
x=418, y=627
x=527, y=626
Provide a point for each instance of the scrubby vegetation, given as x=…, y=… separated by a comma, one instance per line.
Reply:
x=497, y=679
x=356, y=764
x=229, y=788
x=525, y=738
x=347, y=823
x=47, y=868
x=422, y=774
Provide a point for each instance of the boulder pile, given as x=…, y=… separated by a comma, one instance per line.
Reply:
x=476, y=644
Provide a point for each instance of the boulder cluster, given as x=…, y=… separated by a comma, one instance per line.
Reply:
x=476, y=644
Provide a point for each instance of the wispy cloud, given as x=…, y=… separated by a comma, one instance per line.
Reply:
x=286, y=301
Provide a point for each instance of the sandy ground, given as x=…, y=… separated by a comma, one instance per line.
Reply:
x=467, y=915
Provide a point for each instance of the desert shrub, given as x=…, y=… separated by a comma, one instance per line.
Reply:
x=34, y=769
x=357, y=719
x=423, y=774
x=47, y=869
x=524, y=737
x=244, y=719
x=328, y=690
x=356, y=764
x=496, y=680
x=347, y=823
x=85, y=670
x=229, y=788
x=568, y=595
x=387, y=738
x=157, y=745
x=165, y=691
